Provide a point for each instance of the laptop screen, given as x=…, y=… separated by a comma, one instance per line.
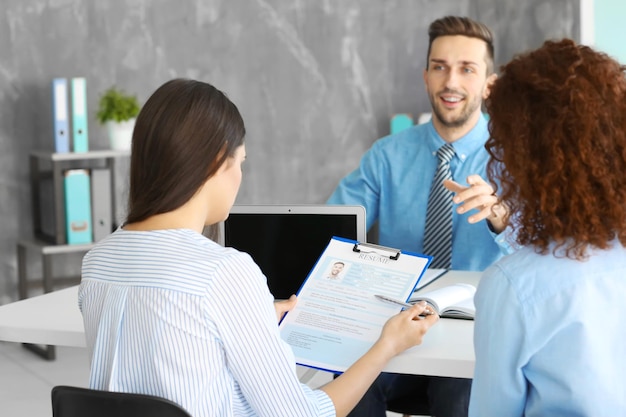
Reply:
x=287, y=241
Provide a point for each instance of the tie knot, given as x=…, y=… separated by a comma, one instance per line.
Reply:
x=445, y=153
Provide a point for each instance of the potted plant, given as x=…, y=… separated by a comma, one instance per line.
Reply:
x=117, y=110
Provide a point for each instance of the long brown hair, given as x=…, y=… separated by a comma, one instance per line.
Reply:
x=558, y=147
x=186, y=130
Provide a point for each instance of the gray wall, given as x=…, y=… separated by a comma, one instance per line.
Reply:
x=316, y=80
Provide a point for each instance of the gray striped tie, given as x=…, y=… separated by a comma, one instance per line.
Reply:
x=438, y=231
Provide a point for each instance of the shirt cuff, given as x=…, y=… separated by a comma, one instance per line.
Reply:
x=326, y=406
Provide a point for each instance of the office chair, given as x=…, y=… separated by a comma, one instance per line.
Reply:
x=408, y=407
x=83, y=402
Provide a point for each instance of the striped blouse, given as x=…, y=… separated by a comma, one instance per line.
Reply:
x=173, y=314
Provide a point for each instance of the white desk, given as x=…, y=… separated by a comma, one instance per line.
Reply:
x=49, y=319
x=54, y=319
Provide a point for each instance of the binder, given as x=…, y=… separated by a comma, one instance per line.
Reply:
x=80, y=140
x=101, y=204
x=77, y=206
x=400, y=122
x=61, y=115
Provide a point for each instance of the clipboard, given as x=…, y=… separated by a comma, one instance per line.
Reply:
x=392, y=253
x=338, y=317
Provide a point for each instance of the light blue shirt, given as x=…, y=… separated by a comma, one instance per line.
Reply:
x=550, y=336
x=173, y=314
x=393, y=182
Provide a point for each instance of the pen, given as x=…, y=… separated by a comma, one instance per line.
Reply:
x=426, y=312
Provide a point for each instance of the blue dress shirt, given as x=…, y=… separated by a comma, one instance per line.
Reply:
x=393, y=183
x=550, y=336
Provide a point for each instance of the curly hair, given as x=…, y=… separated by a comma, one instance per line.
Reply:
x=558, y=147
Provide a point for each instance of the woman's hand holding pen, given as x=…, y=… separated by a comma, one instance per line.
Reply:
x=480, y=196
x=402, y=331
x=405, y=329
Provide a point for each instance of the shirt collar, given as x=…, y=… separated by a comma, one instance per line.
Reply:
x=466, y=145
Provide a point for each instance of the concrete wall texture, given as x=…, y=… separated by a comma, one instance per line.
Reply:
x=316, y=81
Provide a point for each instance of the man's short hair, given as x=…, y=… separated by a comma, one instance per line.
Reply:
x=463, y=26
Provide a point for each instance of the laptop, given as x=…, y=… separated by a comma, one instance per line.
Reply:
x=287, y=240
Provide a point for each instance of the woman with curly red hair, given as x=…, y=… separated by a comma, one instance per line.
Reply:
x=550, y=329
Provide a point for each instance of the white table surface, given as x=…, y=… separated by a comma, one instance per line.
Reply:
x=54, y=319
x=49, y=319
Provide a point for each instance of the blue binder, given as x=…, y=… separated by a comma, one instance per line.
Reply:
x=77, y=206
x=80, y=141
x=61, y=115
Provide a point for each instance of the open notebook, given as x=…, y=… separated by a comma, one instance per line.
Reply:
x=452, y=301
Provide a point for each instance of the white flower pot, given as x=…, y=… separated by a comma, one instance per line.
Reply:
x=121, y=134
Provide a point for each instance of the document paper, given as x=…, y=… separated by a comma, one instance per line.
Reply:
x=337, y=317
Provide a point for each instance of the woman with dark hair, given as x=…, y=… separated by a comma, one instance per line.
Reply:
x=550, y=334
x=169, y=312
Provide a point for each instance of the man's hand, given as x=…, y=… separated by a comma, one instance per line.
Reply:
x=284, y=306
x=480, y=196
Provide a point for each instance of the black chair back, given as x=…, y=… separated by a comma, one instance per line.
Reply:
x=83, y=402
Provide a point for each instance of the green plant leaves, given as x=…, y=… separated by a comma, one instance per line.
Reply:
x=116, y=105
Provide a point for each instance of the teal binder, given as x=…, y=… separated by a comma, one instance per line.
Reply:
x=80, y=139
x=77, y=206
x=400, y=122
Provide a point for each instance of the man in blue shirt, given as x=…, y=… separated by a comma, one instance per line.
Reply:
x=394, y=179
